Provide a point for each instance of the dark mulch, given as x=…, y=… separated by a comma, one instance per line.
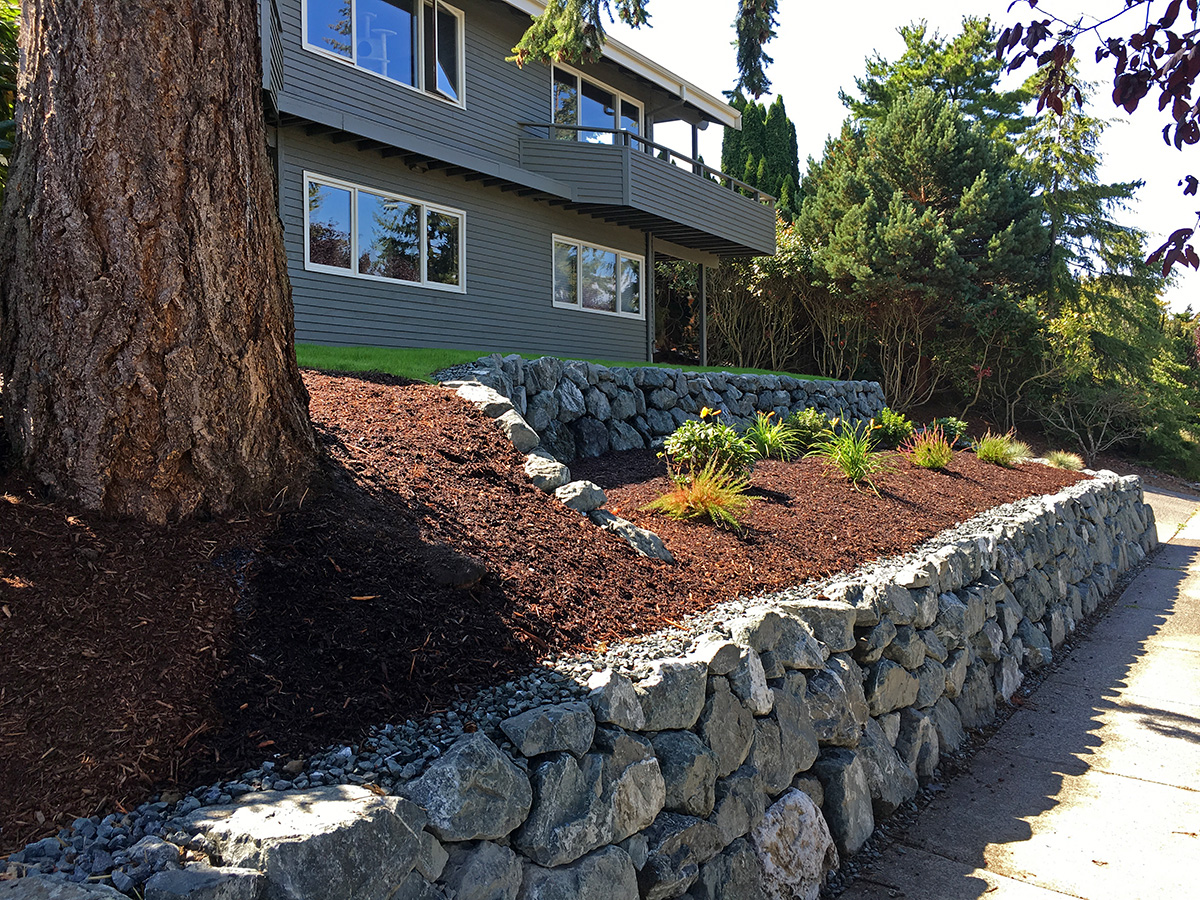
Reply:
x=134, y=658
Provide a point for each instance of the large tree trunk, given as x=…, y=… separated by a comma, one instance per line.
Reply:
x=145, y=312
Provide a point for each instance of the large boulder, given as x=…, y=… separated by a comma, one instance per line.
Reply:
x=689, y=770
x=550, y=729
x=948, y=724
x=482, y=871
x=678, y=845
x=847, y=799
x=633, y=783
x=748, y=680
x=794, y=848
x=607, y=874
x=890, y=687
x=733, y=875
x=727, y=726
x=614, y=700
x=546, y=472
x=472, y=792
x=741, y=800
x=832, y=621
x=320, y=844
x=917, y=743
x=907, y=648
x=977, y=701
x=206, y=883
x=569, y=817
x=831, y=710
x=672, y=697
x=890, y=781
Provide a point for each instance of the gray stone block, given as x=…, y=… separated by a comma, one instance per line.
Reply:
x=206, y=883
x=550, y=729
x=689, y=770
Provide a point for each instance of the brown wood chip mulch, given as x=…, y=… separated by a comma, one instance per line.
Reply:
x=136, y=659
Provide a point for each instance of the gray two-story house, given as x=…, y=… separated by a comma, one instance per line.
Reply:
x=433, y=194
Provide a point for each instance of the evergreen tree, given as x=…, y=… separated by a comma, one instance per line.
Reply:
x=764, y=153
x=922, y=217
x=964, y=70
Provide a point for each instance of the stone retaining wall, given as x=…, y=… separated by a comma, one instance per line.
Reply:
x=581, y=409
x=734, y=758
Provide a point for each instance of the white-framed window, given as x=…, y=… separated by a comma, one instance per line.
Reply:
x=598, y=279
x=416, y=43
x=369, y=233
x=576, y=99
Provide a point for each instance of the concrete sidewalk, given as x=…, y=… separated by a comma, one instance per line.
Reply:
x=1092, y=788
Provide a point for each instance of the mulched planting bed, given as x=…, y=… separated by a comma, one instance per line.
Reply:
x=135, y=659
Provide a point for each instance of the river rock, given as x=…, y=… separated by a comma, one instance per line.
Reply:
x=472, y=792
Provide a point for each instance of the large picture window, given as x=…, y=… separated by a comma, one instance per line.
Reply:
x=597, y=279
x=577, y=100
x=418, y=43
x=367, y=233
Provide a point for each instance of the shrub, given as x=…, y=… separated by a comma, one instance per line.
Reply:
x=711, y=493
x=772, y=440
x=891, y=428
x=809, y=427
x=929, y=449
x=1064, y=459
x=696, y=443
x=952, y=428
x=1001, y=449
x=851, y=452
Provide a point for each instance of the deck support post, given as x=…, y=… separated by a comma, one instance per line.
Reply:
x=702, y=296
x=650, y=291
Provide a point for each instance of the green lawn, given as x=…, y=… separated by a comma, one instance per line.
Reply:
x=421, y=362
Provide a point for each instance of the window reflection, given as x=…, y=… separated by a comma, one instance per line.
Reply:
x=443, y=236
x=598, y=286
x=329, y=26
x=328, y=225
x=631, y=286
x=597, y=109
x=386, y=38
x=566, y=273
x=389, y=237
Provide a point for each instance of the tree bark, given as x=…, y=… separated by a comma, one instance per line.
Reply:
x=146, y=330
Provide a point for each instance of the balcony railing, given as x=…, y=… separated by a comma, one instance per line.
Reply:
x=622, y=138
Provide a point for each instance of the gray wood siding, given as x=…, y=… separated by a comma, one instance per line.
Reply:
x=623, y=176
x=666, y=190
x=509, y=268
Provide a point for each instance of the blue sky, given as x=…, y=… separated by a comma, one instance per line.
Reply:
x=819, y=50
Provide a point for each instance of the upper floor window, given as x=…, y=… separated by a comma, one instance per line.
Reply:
x=418, y=43
x=583, y=102
x=368, y=233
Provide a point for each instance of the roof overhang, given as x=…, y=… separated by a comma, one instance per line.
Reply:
x=711, y=108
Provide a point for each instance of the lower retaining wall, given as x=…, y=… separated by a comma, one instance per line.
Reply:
x=581, y=409
x=736, y=757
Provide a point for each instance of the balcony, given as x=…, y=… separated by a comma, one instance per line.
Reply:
x=631, y=180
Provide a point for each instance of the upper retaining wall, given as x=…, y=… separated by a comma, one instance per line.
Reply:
x=731, y=759
x=582, y=409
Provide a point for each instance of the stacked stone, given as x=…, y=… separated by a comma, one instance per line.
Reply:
x=740, y=769
x=581, y=409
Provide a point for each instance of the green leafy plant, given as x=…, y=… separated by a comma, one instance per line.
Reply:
x=928, y=449
x=1001, y=449
x=809, y=427
x=852, y=452
x=772, y=440
x=712, y=492
x=1064, y=459
x=698, y=442
x=953, y=428
x=891, y=428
